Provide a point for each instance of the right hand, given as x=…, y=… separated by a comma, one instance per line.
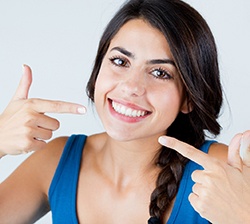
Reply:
x=24, y=127
x=221, y=192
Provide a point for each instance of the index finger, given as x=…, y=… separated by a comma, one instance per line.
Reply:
x=55, y=106
x=187, y=151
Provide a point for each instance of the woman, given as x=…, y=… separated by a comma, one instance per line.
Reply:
x=188, y=37
x=156, y=73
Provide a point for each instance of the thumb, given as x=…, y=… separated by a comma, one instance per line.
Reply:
x=245, y=148
x=234, y=152
x=24, y=84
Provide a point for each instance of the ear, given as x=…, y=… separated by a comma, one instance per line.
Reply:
x=186, y=106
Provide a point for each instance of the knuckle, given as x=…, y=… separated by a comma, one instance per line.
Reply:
x=198, y=203
x=28, y=120
x=247, y=134
x=195, y=175
x=49, y=135
x=202, y=208
x=27, y=132
x=209, y=183
x=209, y=180
x=26, y=144
x=56, y=124
x=28, y=117
x=195, y=188
x=202, y=205
x=56, y=106
x=29, y=103
x=218, y=166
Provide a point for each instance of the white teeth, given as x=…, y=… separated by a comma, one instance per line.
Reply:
x=128, y=112
x=121, y=109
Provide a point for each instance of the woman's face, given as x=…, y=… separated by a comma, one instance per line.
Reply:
x=138, y=92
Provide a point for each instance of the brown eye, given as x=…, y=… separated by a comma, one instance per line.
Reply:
x=161, y=74
x=119, y=61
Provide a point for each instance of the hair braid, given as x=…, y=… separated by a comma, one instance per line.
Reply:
x=167, y=183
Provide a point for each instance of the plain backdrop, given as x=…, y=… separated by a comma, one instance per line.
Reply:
x=58, y=39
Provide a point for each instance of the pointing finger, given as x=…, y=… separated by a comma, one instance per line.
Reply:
x=24, y=85
x=52, y=106
x=187, y=151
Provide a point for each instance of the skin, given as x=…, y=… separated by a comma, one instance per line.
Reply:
x=121, y=159
x=221, y=192
x=24, y=126
x=135, y=83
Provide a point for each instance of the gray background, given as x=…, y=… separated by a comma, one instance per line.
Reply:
x=58, y=39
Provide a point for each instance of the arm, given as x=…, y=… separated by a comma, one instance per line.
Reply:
x=221, y=192
x=24, y=194
x=24, y=126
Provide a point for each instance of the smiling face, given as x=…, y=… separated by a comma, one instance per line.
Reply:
x=138, y=91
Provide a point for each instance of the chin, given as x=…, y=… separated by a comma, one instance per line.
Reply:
x=121, y=136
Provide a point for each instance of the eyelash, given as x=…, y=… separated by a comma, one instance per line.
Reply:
x=124, y=60
x=166, y=74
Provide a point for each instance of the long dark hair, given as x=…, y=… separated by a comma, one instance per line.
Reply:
x=194, y=51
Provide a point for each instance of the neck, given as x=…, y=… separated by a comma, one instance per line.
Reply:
x=129, y=162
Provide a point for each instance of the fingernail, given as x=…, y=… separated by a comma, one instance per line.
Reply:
x=23, y=66
x=162, y=140
x=81, y=110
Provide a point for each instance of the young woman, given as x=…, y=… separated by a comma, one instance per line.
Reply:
x=156, y=73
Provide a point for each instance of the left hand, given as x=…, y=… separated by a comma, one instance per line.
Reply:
x=24, y=125
x=221, y=192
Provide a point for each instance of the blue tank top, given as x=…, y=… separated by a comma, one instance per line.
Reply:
x=63, y=188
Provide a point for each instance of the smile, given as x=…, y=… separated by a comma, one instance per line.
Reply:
x=127, y=111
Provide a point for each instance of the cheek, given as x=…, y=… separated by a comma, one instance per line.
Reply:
x=168, y=102
x=100, y=82
x=99, y=94
x=104, y=83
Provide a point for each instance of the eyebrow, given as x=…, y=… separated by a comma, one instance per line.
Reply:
x=150, y=62
x=124, y=51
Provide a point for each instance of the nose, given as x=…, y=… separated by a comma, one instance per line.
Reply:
x=134, y=85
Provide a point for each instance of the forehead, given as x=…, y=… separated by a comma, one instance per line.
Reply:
x=139, y=36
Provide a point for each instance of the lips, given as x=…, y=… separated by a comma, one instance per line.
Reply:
x=128, y=111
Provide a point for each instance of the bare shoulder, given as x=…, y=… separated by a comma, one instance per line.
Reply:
x=29, y=185
x=219, y=151
x=51, y=153
x=48, y=159
x=41, y=165
x=53, y=150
